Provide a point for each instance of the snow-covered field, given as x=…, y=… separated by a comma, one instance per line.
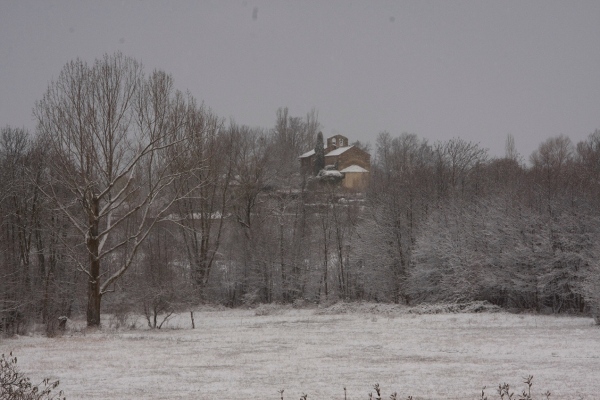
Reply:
x=237, y=354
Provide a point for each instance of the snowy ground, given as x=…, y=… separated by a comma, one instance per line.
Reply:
x=236, y=354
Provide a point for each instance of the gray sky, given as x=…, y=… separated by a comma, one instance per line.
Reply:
x=478, y=70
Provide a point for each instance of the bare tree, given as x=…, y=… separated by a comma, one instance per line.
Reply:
x=108, y=130
x=551, y=162
x=18, y=209
x=457, y=164
x=253, y=237
x=511, y=152
x=291, y=137
x=161, y=280
x=399, y=198
x=201, y=213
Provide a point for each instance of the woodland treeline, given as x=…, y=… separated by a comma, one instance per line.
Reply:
x=130, y=196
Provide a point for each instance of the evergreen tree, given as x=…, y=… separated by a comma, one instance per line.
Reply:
x=319, y=153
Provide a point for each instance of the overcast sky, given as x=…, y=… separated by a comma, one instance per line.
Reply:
x=478, y=70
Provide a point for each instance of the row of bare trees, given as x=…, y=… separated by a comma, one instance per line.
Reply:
x=132, y=197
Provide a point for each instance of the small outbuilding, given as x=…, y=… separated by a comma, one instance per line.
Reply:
x=355, y=178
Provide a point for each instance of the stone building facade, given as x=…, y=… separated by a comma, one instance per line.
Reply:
x=352, y=161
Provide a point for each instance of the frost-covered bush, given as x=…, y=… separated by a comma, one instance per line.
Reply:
x=250, y=299
x=359, y=307
x=16, y=386
x=470, y=307
x=455, y=308
x=269, y=309
x=300, y=303
x=595, y=311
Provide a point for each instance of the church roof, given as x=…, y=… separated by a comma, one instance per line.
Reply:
x=308, y=154
x=339, y=151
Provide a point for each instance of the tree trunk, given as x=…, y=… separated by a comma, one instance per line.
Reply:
x=93, y=307
x=93, y=245
x=325, y=268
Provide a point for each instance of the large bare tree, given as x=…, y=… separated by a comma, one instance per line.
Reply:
x=110, y=132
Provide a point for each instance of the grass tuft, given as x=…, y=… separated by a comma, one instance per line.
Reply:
x=503, y=392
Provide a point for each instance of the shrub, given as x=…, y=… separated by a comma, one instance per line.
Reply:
x=16, y=386
x=455, y=308
x=269, y=309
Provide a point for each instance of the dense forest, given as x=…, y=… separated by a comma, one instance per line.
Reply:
x=130, y=196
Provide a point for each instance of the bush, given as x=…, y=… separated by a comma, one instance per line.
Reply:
x=455, y=308
x=269, y=309
x=15, y=386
